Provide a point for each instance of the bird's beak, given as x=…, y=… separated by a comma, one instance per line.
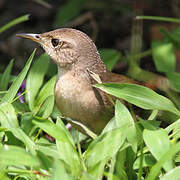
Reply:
x=33, y=37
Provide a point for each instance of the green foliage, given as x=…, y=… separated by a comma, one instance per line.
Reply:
x=139, y=96
x=110, y=57
x=69, y=11
x=14, y=22
x=35, y=143
x=164, y=57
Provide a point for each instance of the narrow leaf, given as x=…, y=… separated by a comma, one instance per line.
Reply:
x=104, y=147
x=9, y=121
x=123, y=118
x=139, y=95
x=47, y=90
x=173, y=174
x=35, y=78
x=12, y=155
x=18, y=81
x=60, y=171
x=14, y=22
x=8, y=117
x=166, y=157
x=47, y=107
x=51, y=128
x=6, y=76
x=67, y=152
x=158, y=144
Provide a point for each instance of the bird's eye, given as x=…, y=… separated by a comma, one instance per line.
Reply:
x=55, y=42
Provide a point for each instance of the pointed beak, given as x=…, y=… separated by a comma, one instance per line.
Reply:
x=33, y=37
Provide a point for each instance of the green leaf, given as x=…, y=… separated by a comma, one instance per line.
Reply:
x=13, y=155
x=35, y=78
x=110, y=57
x=121, y=167
x=9, y=120
x=8, y=117
x=139, y=95
x=47, y=90
x=47, y=107
x=60, y=171
x=104, y=147
x=110, y=125
x=172, y=36
x=6, y=76
x=148, y=161
x=158, y=144
x=48, y=150
x=52, y=129
x=14, y=22
x=163, y=56
x=67, y=151
x=97, y=170
x=123, y=118
x=69, y=11
x=86, y=176
x=174, y=79
x=173, y=174
x=174, y=129
x=19, y=133
x=154, y=171
x=18, y=81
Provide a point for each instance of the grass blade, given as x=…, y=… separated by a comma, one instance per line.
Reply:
x=14, y=22
x=159, y=18
x=6, y=76
x=35, y=78
x=12, y=91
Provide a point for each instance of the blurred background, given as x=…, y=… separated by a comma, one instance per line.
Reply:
x=108, y=22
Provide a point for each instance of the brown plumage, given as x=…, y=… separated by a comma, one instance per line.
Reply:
x=76, y=56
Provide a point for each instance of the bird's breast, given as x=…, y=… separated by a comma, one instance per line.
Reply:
x=76, y=98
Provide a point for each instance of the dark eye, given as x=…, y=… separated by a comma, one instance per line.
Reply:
x=55, y=42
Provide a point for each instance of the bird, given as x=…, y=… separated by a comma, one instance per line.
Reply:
x=77, y=58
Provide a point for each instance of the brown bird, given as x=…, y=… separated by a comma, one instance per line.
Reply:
x=77, y=57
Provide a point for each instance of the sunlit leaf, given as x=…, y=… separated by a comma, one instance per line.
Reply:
x=148, y=161
x=158, y=144
x=123, y=118
x=6, y=76
x=47, y=107
x=104, y=147
x=60, y=171
x=139, y=95
x=47, y=90
x=18, y=81
x=163, y=56
x=154, y=171
x=13, y=155
x=173, y=174
x=67, y=151
x=35, y=78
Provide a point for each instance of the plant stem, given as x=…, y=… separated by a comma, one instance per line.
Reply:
x=159, y=18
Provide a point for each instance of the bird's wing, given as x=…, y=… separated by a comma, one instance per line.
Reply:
x=118, y=78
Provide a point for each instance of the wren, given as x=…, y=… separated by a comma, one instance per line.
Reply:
x=76, y=56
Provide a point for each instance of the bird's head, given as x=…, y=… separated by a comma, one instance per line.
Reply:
x=65, y=46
